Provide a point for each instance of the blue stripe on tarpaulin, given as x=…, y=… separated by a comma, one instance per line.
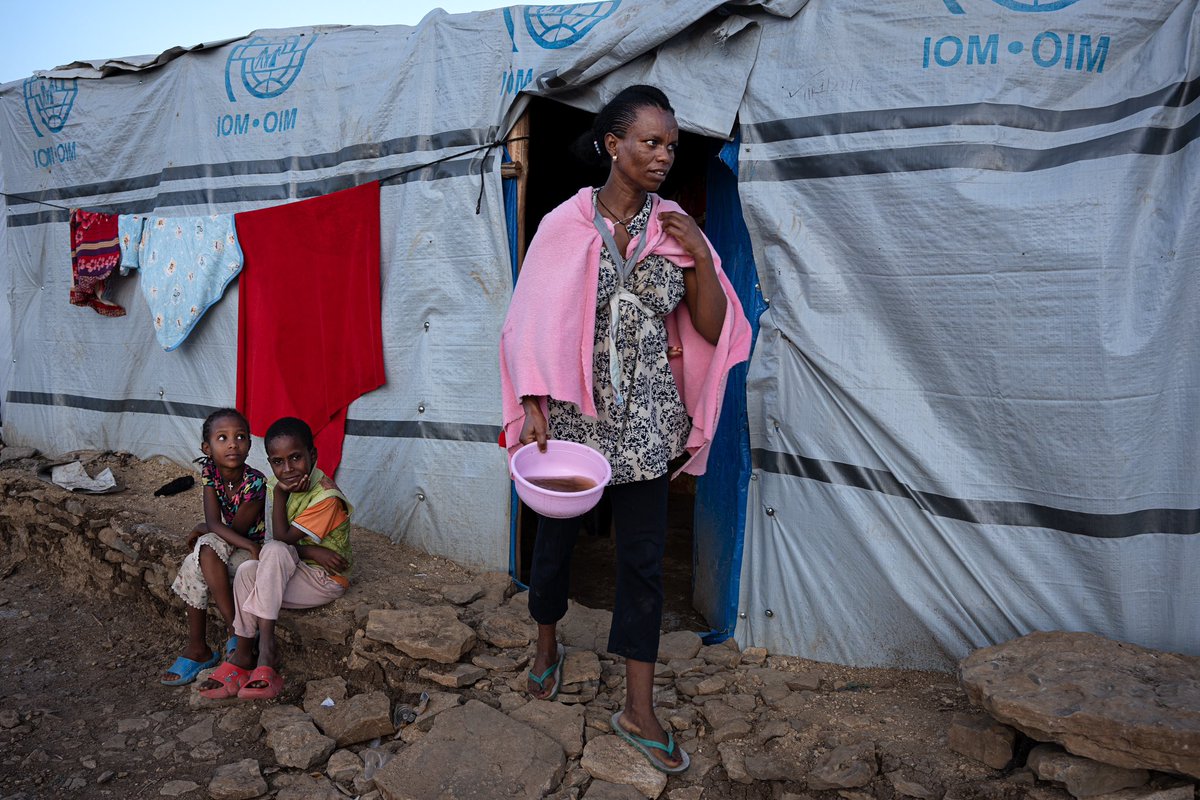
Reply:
x=510, y=218
x=719, y=524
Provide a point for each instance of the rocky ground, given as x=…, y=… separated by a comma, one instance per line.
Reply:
x=411, y=687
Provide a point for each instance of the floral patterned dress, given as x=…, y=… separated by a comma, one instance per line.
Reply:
x=641, y=435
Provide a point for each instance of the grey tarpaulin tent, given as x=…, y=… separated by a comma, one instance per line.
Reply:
x=969, y=410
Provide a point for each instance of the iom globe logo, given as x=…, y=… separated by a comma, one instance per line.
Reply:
x=555, y=27
x=1017, y=5
x=266, y=67
x=49, y=101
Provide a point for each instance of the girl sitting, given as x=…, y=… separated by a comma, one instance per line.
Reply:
x=231, y=533
x=304, y=564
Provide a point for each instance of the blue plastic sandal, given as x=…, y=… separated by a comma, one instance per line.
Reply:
x=187, y=670
x=555, y=671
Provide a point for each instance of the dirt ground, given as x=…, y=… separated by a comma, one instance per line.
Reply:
x=81, y=711
x=82, y=714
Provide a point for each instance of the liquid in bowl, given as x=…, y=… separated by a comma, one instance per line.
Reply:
x=570, y=483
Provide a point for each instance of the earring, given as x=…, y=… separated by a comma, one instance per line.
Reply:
x=614, y=156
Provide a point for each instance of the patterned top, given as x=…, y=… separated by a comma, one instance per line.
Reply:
x=640, y=438
x=253, y=487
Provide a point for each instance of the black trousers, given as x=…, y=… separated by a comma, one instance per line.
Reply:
x=640, y=520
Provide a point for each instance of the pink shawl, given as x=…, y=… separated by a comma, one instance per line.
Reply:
x=546, y=341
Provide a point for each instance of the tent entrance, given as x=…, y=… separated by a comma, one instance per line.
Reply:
x=553, y=169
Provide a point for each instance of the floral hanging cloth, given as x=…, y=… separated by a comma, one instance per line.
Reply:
x=186, y=263
x=95, y=253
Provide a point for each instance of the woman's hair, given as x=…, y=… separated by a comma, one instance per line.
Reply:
x=221, y=413
x=290, y=426
x=620, y=112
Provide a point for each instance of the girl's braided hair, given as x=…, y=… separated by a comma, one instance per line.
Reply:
x=221, y=413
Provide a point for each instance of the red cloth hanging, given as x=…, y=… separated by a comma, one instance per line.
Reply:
x=310, y=338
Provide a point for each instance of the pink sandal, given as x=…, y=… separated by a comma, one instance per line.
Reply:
x=267, y=675
x=231, y=677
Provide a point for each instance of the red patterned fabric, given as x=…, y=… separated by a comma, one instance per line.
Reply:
x=95, y=253
x=310, y=338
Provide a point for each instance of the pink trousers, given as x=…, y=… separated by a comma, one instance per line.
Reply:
x=278, y=579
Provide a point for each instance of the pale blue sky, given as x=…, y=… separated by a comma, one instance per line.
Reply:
x=41, y=34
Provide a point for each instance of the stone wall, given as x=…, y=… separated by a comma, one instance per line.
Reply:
x=91, y=541
x=98, y=544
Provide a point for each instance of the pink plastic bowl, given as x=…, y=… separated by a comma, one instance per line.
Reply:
x=561, y=460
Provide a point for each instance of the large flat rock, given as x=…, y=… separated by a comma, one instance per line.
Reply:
x=611, y=759
x=432, y=632
x=474, y=751
x=562, y=723
x=1110, y=701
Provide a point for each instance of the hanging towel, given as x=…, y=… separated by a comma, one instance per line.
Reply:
x=310, y=338
x=186, y=263
x=548, y=334
x=131, y=229
x=95, y=252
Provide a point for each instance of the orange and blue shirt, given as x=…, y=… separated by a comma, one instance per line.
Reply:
x=323, y=515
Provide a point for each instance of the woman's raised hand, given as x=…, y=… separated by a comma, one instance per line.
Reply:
x=685, y=231
x=535, y=428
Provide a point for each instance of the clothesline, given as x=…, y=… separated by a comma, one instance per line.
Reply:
x=397, y=174
x=31, y=200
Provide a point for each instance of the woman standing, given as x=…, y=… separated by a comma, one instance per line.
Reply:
x=598, y=348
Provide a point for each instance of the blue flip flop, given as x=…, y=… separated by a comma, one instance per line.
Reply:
x=645, y=745
x=187, y=670
x=555, y=671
